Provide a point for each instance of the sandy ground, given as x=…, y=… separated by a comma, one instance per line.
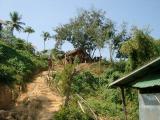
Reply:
x=48, y=101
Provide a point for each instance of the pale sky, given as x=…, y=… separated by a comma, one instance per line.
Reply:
x=44, y=15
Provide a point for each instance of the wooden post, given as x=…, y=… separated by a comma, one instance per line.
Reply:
x=124, y=102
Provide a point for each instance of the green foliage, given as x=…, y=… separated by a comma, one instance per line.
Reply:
x=119, y=39
x=29, y=30
x=66, y=77
x=6, y=35
x=139, y=49
x=15, y=22
x=113, y=72
x=71, y=113
x=89, y=30
x=46, y=36
x=84, y=83
x=16, y=43
x=106, y=102
x=57, y=54
x=76, y=60
x=157, y=43
x=17, y=64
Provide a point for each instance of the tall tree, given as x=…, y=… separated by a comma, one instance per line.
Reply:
x=15, y=22
x=109, y=34
x=46, y=36
x=86, y=31
x=119, y=38
x=28, y=30
x=139, y=49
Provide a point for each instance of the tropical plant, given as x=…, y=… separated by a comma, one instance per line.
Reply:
x=17, y=64
x=15, y=22
x=46, y=36
x=28, y=30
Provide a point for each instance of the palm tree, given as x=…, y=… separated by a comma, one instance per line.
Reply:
x=15, y=22
x=28, y=30
x=46, y=36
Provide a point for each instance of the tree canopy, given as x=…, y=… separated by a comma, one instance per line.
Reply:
x=139, y=48
x=89, y=30
x=15, y=22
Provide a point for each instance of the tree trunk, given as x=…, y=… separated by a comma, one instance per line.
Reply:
x=12, y=29
x=44, y=45
x=110, y=50
x=27, y=38
x=99, y=59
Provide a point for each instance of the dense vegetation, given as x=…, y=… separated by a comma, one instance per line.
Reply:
x=17, y=65
x=84, y=86
x=87, y=88
x=18, y=59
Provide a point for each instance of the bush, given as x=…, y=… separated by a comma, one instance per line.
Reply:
x=71, y=113
x=84, y=83
x=17, y=65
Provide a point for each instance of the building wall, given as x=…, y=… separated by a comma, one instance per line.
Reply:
x=149, y=106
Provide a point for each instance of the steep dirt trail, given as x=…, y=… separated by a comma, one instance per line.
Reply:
x=38, y=90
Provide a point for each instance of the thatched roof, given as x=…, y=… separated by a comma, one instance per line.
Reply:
x=74, y=51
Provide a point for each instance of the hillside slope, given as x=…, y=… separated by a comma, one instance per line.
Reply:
x=38, y=90
x=37, y=103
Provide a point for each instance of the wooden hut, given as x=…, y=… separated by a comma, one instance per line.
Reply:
x=147, y=80
x=79, y=53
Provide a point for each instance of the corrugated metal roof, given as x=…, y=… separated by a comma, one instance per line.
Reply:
x=149, y=81
x=137, y=74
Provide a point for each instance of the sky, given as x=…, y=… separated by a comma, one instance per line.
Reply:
x=45, y=15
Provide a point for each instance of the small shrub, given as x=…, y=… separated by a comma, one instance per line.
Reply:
x=71, y=113
x=84, y=83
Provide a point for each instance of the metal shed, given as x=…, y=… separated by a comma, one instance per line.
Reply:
x=147, y=80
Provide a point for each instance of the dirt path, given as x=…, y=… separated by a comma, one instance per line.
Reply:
x=41, y=101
